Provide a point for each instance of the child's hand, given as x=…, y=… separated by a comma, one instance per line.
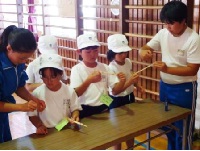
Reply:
x=40, y=105
x=121, y=76
x=42, y=130
x=160, y=65
x=95, y=77
x=134, y=78
x=75, y=116
x=29, y=106
x=146, y=55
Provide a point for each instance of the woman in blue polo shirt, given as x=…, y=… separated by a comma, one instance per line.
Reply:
x=16, y=46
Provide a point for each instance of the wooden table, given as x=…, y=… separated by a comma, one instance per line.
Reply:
x=106, y=129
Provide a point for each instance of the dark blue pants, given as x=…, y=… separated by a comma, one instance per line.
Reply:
x=183, y=95
x=91, y=110
x=122, y=100
x=5, y=134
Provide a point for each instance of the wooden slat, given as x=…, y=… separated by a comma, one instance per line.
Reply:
x=100, y=31
x=101, y=19
x=142, y=7
x=139, y=35
x=100, y=6
x=144, y=22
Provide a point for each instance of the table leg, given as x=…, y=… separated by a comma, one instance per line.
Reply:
x=148, y=142
x=185, y=134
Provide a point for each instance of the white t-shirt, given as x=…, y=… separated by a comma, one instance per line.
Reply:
x=32, y=71
x=177, y=51
x=59, y=104
x=91, y=96
x=126, y=69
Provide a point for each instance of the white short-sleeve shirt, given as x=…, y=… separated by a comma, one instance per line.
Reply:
x=177, y=51
x=126, y=69
x=91, y=96
x=59, y=104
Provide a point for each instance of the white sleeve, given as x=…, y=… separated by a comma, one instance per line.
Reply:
x=194, y=50
x=154, y=43
x=112, y=79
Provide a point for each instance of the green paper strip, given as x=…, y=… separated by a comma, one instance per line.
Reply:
x=61, y=124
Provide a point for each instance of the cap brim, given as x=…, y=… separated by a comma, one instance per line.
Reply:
x=89, y=45
x=50, y=66
x=122, y=49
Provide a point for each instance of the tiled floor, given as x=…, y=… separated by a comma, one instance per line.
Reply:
x=21, y=126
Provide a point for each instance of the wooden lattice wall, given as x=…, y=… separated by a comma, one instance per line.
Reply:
x=139, y=21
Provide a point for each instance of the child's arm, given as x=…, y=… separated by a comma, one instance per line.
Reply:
x=41, y=128
x=120, y=85
x=93, y=78
x=132, y=80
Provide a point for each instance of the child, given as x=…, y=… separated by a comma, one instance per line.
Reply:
x=117, y=55
x=16, y=46
x=91, y=79
x=180, y=48
x=60, y=99
x=47, y=45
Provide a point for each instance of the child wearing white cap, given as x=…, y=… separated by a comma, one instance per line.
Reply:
x=91, y=79
x=47, y=44
x=117, y=55
x=61, y=100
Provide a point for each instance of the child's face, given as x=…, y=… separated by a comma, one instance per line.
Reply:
x=89, y=56
x=120, y=57
x=176, y=29
x=52, y=82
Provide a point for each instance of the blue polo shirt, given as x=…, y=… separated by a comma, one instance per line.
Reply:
x=11, y=78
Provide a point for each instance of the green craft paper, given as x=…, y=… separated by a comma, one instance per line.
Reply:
x=105, y=99
x=61, y=124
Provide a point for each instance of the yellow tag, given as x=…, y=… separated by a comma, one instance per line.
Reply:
x=106, y=99
x=61, y=124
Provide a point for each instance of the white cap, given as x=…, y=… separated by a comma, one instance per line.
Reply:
x=48, y=44
x=118, y=43
x=50, y=60
x=86, y=40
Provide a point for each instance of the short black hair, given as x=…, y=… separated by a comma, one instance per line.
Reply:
x=54, y=71
x=173, y=11
x=111, y=55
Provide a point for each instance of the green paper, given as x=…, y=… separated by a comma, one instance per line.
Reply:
x=61, y=124
x=105, y=99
